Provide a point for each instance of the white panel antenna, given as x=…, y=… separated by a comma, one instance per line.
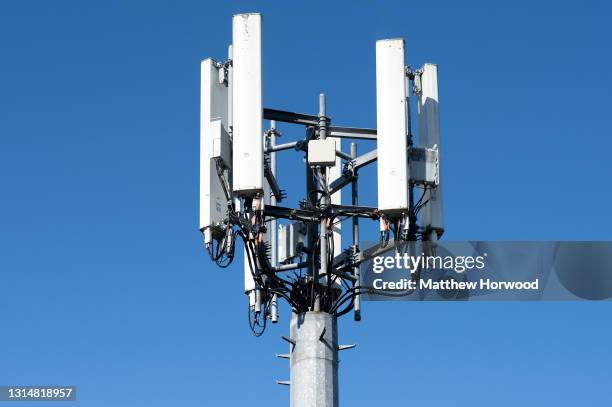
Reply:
x=247, y=108
x=213, y=131
x=249, y=282
x=230, y=92
x=429, y=136
x=392, y=129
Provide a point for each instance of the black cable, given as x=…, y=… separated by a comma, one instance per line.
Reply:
x=255, y=321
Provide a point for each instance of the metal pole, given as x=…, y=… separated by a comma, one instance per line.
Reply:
x=311, y=226
x=273, y=240
x=323, y=225
x=314, y=360
x=355, y=202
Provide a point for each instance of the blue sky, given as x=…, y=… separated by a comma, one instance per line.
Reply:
x=103, y=280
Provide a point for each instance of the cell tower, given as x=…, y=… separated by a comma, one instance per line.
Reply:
x=303, y=261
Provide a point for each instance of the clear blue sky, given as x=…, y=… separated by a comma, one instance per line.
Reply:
x=103, y=280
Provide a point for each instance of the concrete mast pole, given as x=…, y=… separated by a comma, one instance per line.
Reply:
x=314, y=360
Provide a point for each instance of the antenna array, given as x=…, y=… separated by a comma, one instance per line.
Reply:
x=303, y=261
